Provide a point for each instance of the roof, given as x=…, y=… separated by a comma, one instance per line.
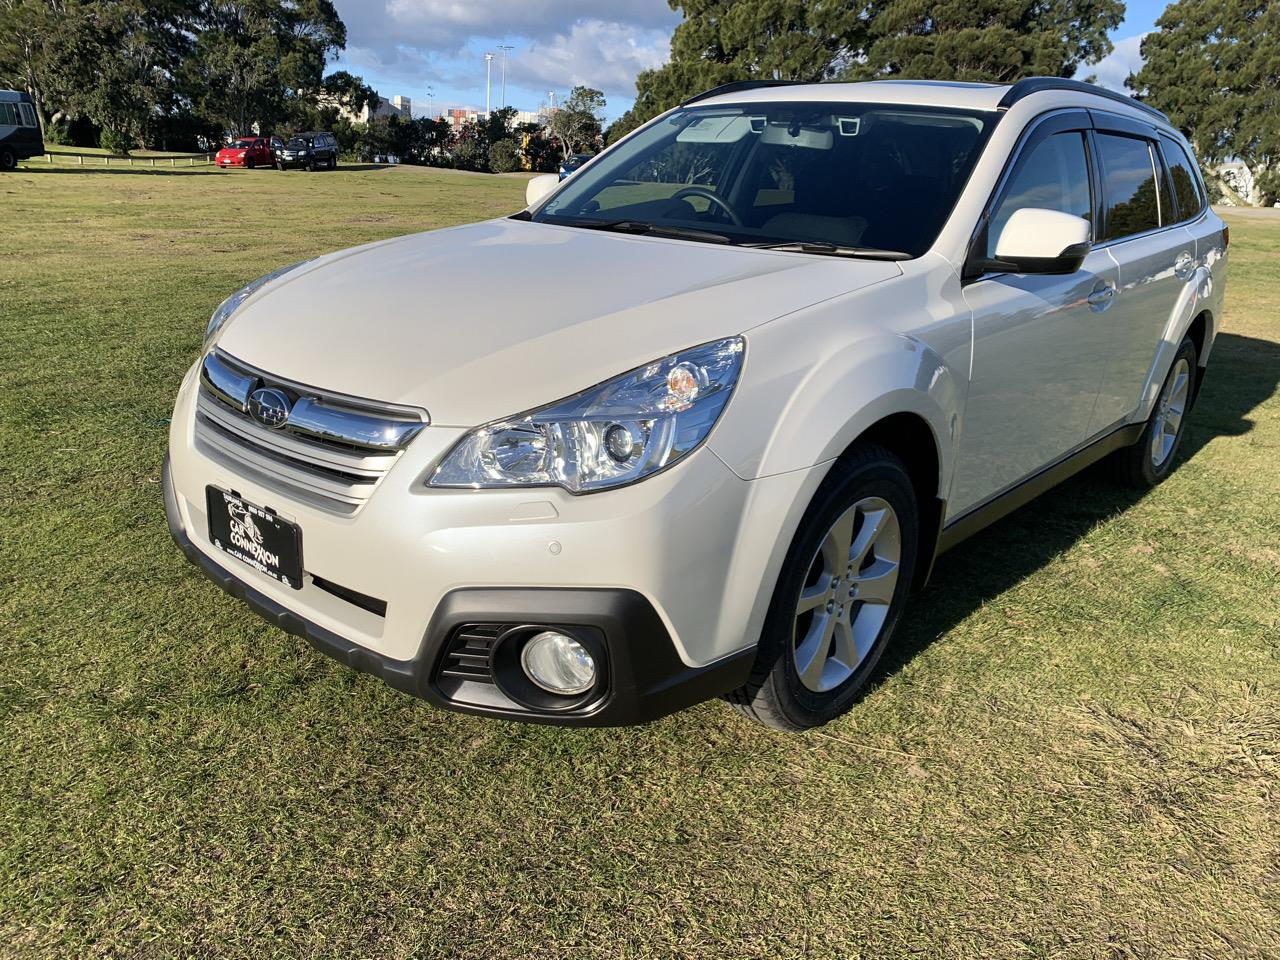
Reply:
x=925, y=93
x=15, y=96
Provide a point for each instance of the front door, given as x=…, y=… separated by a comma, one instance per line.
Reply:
x=1038, y=344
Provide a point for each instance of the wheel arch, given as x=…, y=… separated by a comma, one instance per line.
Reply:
x=911, y=438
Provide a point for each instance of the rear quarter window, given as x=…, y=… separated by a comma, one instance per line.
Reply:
x=1186, y=184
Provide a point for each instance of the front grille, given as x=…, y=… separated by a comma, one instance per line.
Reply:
x=330, y=452
x=468, y=654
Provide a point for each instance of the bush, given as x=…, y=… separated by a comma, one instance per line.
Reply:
x=504, y=157
x=115, y=143
x=58, y=133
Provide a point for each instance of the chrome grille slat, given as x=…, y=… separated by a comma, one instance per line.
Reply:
x=332, y=456
x=373, y=465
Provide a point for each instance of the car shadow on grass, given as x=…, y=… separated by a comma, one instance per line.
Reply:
x=1243, y=373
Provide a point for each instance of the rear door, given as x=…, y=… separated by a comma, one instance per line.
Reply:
x=1155, y=256
x=1038, y=341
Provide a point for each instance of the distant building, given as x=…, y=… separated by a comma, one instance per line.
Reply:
x=397, y=106
x=457, y=116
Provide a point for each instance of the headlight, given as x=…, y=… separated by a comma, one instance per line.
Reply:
x=233, y=302
x=616, y=433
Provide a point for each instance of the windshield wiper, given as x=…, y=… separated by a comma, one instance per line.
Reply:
x=831, y=250
x=643, y=227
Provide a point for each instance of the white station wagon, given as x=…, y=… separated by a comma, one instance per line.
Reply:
x=696, y=422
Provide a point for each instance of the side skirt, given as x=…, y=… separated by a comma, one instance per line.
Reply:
x=982, y=517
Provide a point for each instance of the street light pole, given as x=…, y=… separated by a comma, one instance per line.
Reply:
x=504, y=47
x=488, y=70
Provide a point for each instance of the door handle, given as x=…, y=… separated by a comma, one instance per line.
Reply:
x=1101, y=296
x=1184, y=266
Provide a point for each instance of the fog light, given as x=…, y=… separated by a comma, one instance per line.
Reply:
x=558, y=664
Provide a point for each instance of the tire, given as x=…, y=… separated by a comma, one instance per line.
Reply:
x=249, y=163
x=1152, y=457
x=333, y=164
x=311, y=166
x=820, y=642
x=8, y=159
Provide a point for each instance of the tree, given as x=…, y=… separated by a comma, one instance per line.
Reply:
x=251, y=58
x=575, y=126
x=721, y=41
x=26, y=26
x=1214, y=68
x=504, y=157
x=996, y=40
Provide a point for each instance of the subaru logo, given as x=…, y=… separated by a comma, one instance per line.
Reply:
x=269, y=407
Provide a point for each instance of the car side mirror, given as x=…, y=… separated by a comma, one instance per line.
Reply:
x=539, y=188
x=1035, y=240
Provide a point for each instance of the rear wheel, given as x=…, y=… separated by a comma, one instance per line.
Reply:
x=839, y=595
x=8, y=159
x=1151, y=459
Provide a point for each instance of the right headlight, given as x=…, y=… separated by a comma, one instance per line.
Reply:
x=613, y=434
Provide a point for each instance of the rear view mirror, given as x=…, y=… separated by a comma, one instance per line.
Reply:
x=1035, y=240
x=539, y=188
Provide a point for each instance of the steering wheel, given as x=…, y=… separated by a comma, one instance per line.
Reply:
x=711, y=197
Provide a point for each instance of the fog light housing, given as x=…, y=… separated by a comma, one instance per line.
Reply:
x=559, y=664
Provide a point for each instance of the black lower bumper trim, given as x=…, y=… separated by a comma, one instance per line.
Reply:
x=647, y=679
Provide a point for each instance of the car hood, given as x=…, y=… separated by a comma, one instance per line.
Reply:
x=484, y=321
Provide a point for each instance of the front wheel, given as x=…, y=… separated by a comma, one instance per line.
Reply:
x=839, y=595
x=249, y=163
x=1151, y=459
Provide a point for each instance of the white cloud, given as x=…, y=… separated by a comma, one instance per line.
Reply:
x=1111, y=70
x=557, y=43
x=594, y=53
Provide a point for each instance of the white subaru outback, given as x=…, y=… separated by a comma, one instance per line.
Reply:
x=697, y=421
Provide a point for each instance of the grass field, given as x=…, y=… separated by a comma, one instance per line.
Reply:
x=1073, y=750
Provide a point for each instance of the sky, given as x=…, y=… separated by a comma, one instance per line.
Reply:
x=433, y=50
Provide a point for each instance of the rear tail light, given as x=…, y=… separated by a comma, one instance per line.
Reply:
x=1226, y=237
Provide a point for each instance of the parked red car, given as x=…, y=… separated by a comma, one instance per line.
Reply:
x=250, y=152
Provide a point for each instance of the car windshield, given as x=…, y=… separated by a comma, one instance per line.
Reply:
x=245, y=144
x=298, y=143
x=818, y=176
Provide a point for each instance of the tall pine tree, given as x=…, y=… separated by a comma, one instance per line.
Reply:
x=1214, y=67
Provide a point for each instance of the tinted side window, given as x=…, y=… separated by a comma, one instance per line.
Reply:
x=1186, y=186
x=9, y=114
x=1053, y=175
x=1129, y=186
x=28, y=115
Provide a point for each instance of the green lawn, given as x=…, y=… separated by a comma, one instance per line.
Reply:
x=1073, y=750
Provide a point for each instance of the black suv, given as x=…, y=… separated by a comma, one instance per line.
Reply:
x=309, y=150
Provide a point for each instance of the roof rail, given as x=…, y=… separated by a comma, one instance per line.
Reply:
x=739, y=85
x=1029, y=85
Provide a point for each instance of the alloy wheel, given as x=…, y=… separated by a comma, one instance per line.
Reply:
x=1170, y=409
x=846, y=595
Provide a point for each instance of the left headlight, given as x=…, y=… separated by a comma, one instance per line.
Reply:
x=233, y=302
x=613, y=434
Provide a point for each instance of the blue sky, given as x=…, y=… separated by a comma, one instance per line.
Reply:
x=433, y=50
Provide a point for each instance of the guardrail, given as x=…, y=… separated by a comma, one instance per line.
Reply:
x=107, y=159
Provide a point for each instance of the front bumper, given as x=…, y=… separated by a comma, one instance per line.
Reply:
x=674, y=572
x=645, y=678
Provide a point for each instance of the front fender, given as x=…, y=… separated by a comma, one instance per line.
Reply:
x=804, y=400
